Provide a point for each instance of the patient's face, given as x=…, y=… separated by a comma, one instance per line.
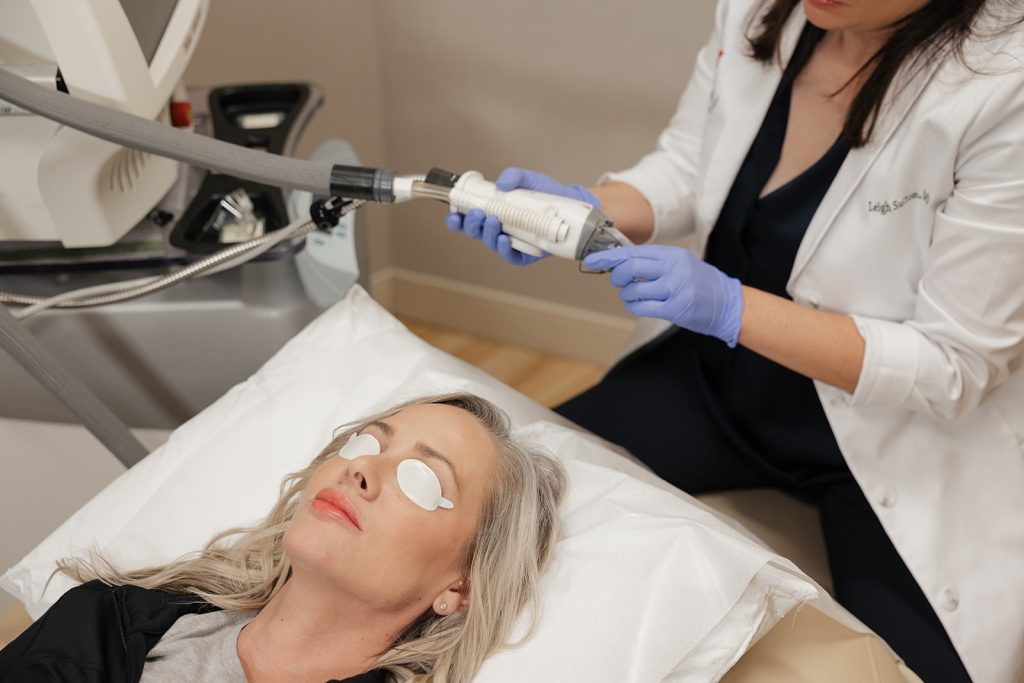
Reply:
x=395, y=554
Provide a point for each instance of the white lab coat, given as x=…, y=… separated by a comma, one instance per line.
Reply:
x=921, y=239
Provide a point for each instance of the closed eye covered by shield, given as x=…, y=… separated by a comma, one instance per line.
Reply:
x=416, y=480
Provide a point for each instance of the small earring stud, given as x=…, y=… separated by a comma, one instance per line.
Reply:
x=444, y=606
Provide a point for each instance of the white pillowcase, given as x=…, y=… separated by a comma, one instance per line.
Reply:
x=647, y=584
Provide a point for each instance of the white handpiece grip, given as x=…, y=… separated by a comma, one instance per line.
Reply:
x=535, y=221
x=525, y=247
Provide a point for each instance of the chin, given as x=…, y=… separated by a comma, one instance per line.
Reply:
x=305, y=546
x=827, y=19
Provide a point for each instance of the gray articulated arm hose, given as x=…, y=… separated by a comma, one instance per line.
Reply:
x=111, y=432
x=149, y=136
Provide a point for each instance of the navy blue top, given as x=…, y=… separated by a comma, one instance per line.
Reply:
x=773, y=412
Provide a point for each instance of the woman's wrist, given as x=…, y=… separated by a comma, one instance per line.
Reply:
x=627, y=208
x=818, y=344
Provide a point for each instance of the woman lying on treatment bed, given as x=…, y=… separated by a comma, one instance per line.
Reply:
x=409, y=557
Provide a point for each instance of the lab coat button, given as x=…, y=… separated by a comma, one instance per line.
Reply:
x=888, y=497
x=950, y=599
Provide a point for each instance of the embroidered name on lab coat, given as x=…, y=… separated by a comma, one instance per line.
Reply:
x=886, y=207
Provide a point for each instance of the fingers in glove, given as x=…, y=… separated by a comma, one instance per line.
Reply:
x=511, y=178
x=514, y=178
x=635, y=270
x=646, y=291
x=646, y=309
x=609, y=258
x=454, y=222
x=511, y=255
x=472, y=225
x=491, y=232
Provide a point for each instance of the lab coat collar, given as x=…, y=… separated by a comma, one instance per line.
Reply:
x=755, y=83
x=903, y=94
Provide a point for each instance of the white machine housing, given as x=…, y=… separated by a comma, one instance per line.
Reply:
x=57, y=183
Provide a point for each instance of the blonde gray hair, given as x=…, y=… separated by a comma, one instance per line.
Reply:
x=241, y=569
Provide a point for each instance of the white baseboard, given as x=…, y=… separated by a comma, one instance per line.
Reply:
x=495, y=314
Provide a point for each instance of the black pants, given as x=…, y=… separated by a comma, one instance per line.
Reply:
x=657, y=414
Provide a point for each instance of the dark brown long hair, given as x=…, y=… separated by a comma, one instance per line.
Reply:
x=916, y=39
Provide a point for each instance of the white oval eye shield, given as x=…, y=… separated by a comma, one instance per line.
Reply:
x=416, y=480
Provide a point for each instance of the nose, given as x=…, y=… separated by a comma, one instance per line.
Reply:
x=363, y=474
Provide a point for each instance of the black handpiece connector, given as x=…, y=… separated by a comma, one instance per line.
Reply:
x=439, y=176
x=357, y=182
x=325, y=213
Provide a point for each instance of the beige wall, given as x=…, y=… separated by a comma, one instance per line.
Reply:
x=571, y=88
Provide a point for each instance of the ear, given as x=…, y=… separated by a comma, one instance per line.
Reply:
x=452, y=599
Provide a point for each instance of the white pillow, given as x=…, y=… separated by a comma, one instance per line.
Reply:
x=646, y=583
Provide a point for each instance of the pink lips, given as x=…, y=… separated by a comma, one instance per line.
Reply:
x=333, y=503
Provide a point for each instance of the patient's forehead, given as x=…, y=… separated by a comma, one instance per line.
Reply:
x=453, y=432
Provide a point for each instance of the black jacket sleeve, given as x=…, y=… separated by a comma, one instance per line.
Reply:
x=77, y=640
x=101, y=634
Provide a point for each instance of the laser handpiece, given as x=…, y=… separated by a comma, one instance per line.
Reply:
x=536, y=222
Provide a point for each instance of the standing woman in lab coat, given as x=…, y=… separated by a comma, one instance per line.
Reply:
x=853, y=172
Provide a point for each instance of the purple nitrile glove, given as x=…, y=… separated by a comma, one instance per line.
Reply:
x=488, y=228
x=670, y=283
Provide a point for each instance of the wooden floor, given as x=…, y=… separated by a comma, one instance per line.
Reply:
x=13, y=621
x=548, y=380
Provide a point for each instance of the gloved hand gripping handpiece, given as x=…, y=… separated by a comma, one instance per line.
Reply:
x=536, y=222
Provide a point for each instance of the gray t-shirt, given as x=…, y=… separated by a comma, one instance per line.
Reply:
x=197, y=648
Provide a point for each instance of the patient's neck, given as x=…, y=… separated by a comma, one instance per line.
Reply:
x=310, y=632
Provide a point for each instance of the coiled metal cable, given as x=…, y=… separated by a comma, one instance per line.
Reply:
x=226, y=258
